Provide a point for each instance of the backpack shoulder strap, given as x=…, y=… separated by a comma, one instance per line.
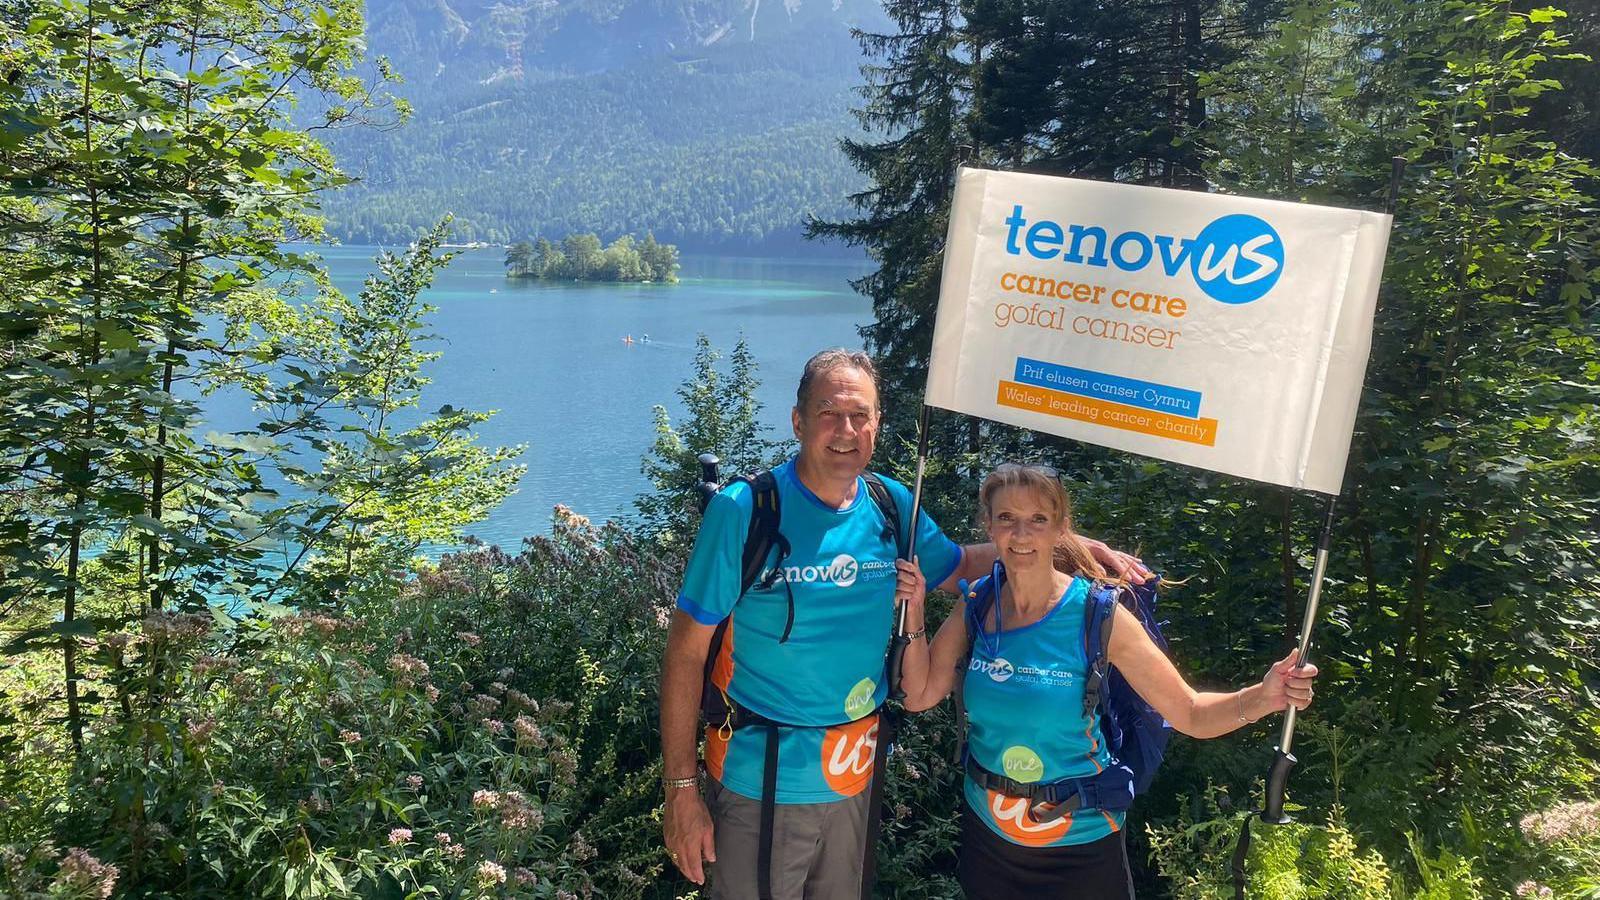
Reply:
x=763, y=533
x=978, y=596
x=760, y=537
x=1097, y=617
x=891, y=511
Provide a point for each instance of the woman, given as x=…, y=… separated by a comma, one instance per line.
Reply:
x=1023, y=691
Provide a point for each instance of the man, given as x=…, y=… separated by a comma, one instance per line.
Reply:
x=804, y=648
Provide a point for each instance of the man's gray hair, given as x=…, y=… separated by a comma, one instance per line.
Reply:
x=825, y=362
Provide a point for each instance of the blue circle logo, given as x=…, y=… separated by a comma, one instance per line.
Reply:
x=1237, y=259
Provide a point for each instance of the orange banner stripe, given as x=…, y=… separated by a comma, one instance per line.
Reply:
x=1111, y=415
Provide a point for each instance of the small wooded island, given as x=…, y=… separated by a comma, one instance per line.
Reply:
x=580, y=257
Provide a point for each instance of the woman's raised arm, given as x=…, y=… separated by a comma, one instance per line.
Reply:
x=1202, y=714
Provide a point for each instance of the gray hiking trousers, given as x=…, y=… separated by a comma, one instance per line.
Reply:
x=816, y=847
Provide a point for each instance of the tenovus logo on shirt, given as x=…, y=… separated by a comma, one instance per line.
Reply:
x=1022, y=764
x=841, y=572
x=998, y=670
x=859, y=701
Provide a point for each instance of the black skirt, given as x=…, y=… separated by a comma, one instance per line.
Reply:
x=993, y=868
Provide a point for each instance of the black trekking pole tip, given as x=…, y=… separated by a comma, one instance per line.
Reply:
x=1277, y=782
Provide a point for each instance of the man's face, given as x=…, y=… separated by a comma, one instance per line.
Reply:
x=839, y=426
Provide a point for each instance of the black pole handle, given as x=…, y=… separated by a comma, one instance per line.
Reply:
x=897, y=654
x=710, y=483
x=1397, y=171
x=1277, y=782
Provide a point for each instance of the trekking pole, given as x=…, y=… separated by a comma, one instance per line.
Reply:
x=888, y=721
x=1278, y=775
x=1271, y=812
x=897, y=646
x=897, y=649
x=1283, y=760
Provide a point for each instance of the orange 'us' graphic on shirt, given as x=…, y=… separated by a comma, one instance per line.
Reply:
x=1017, y=823
x=847, y=755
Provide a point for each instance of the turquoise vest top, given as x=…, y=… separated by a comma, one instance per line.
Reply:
x=1024, y=696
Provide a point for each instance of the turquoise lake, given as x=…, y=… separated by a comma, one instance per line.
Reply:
x=550, y=358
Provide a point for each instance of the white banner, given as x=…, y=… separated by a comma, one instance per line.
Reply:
x=1222, y=332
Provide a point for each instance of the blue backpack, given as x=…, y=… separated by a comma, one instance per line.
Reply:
x=1135, y=734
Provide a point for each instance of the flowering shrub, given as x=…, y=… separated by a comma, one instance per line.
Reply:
x=424, y=744
x=273, y=759
x=1565, y=844
x=580, y=615
x=77, y=876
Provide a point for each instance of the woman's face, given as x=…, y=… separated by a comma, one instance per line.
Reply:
x=1024, y=527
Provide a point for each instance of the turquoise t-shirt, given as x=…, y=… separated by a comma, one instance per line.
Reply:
x=1024, y=696
x=841, y=569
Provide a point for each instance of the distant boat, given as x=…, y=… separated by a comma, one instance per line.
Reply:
x=627, y=339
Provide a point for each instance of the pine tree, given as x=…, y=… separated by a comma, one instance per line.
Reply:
x=918, y=96
x=722, y=416
x=1104, y=90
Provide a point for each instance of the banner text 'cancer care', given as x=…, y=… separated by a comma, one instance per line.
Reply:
x=1236, y=259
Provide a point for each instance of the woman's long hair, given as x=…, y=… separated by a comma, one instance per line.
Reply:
x=1071, y=556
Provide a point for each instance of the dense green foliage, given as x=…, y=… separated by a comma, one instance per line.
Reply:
x=579, y=257
x=151, y=181
x=727, y=146
x=426, y=742
x=152, y=176
x=1461, y=594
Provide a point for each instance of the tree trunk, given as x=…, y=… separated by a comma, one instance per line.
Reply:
x=159, y=471
x=85, y=461
x=1195, y=105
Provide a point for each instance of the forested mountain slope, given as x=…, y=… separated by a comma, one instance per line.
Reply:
x=713, y=124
